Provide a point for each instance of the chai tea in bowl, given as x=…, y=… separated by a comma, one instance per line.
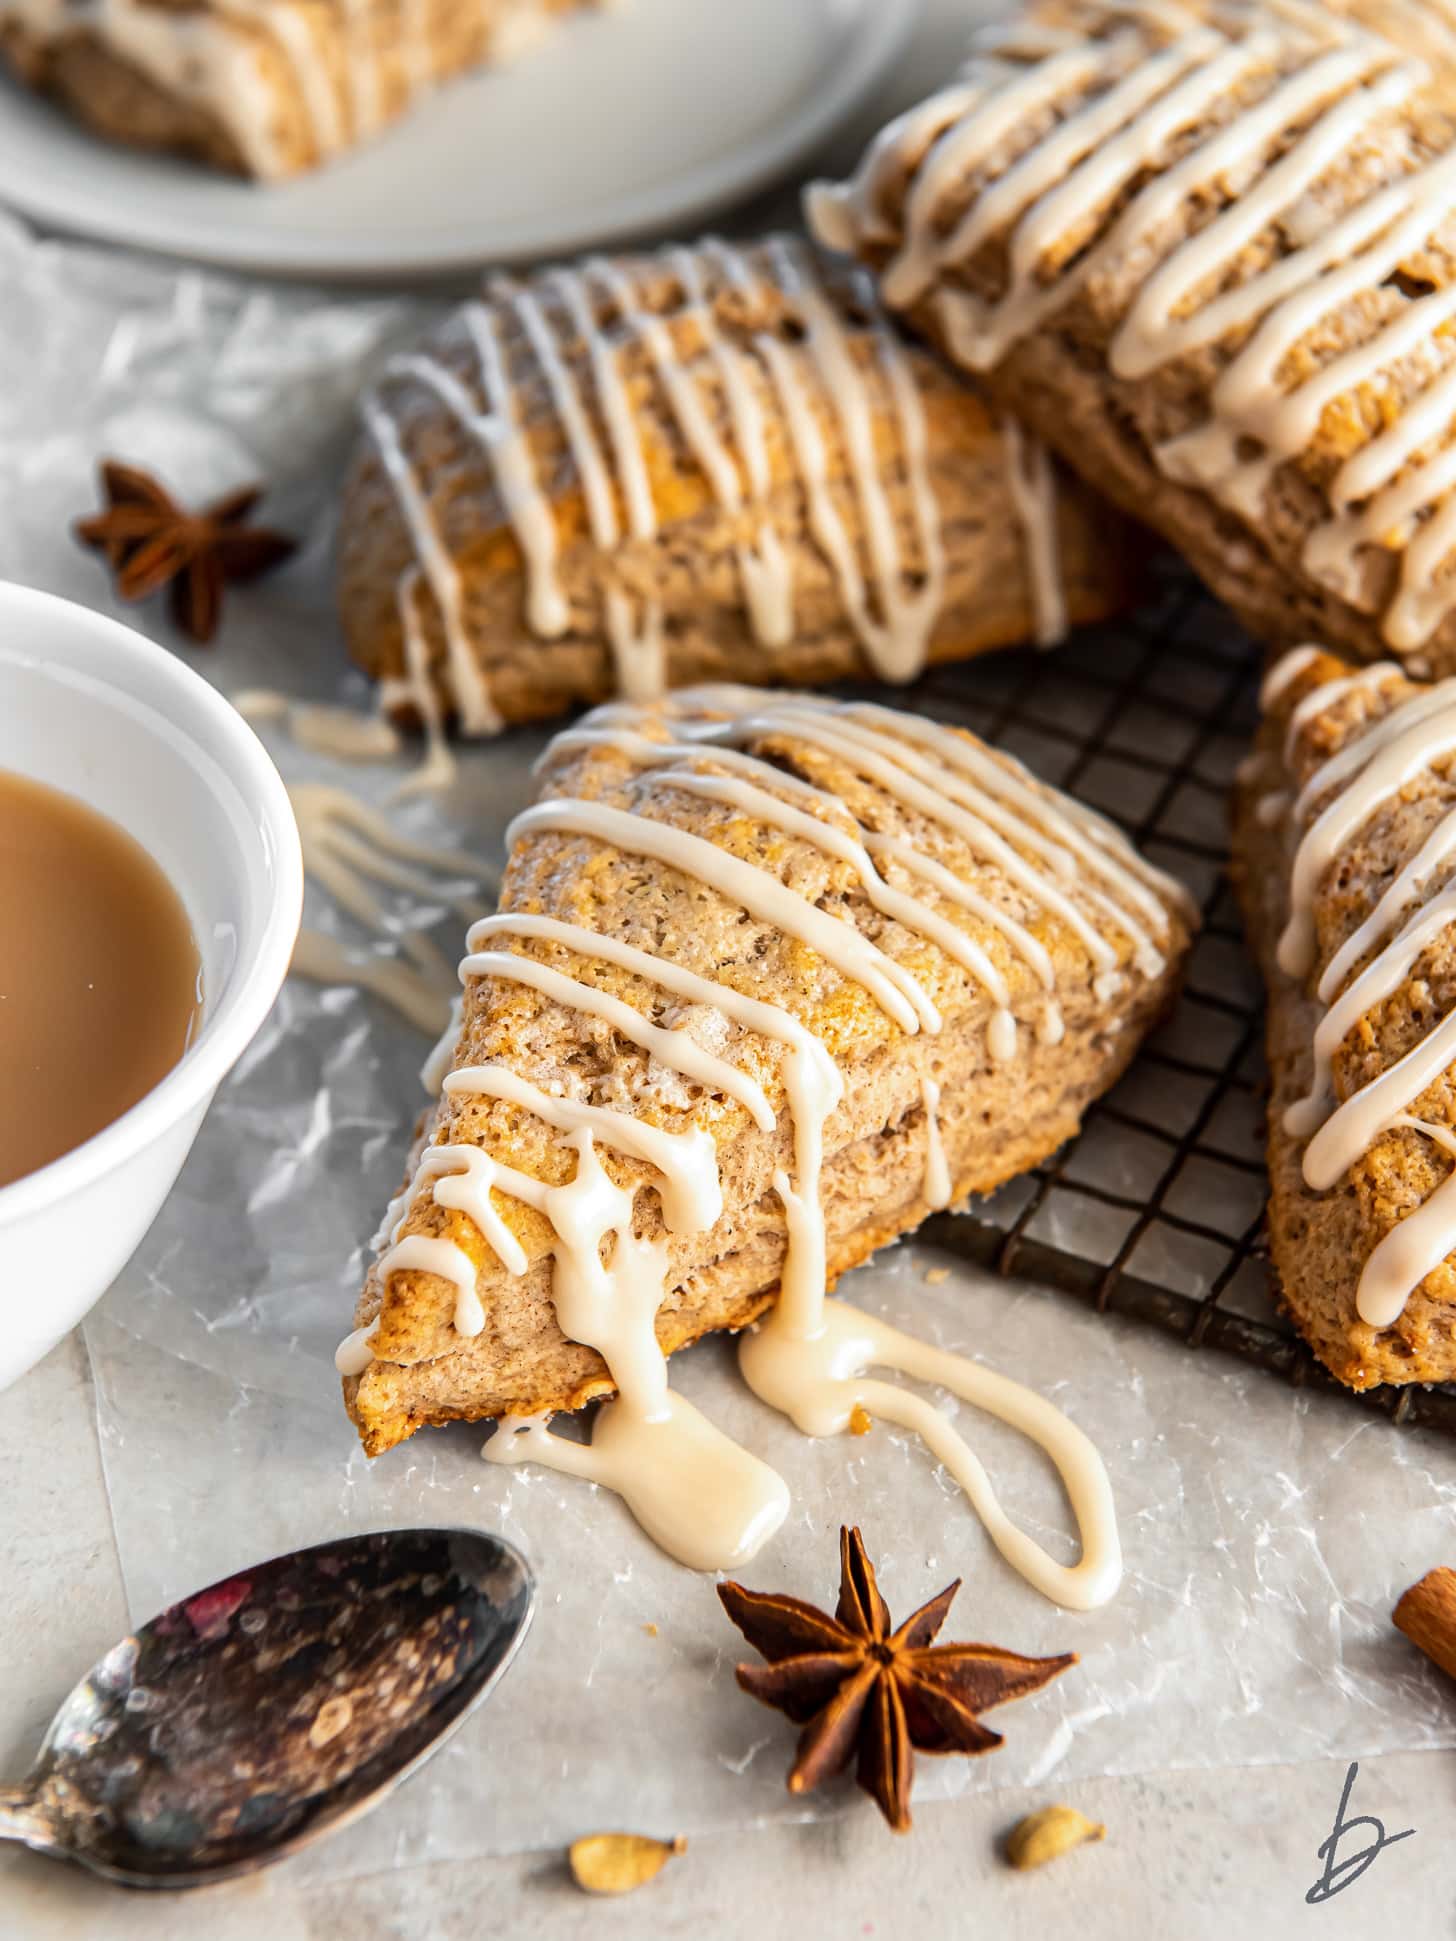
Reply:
x=150, y=889
x=100, y=980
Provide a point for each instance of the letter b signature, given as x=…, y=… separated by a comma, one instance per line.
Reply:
x=1340, y=1873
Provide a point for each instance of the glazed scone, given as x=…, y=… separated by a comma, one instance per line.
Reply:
x=1425, y=27
x=715, y=463
x=1344, y=851
x=265, y=88
x=1210, y=260
x=755, y=952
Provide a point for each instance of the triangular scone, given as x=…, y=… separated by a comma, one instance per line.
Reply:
x=762, y=890
x=1345, y=847
x=265, y=90
x=719, y=462
x=1206, y=253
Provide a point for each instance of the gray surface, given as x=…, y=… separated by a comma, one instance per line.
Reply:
x=1189, y=1854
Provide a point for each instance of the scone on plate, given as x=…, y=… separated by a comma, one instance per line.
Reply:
x=772, y=976
x=1207, y=253
x=265, y=88
x=713, y=463
x=1345, y=859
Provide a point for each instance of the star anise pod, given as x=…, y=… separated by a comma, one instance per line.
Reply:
x=857, y=1686
x=151, y=542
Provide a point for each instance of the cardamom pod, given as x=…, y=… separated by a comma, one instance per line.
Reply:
x=618, y=1863
x=1048, y=1833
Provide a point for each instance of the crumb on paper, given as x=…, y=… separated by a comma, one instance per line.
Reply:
x=619, y=1863
x=860, y=1420
x=650, y=1629
x=935, y=1275
x=1049, y=1833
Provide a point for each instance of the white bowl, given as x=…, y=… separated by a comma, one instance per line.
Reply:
x=92, y=708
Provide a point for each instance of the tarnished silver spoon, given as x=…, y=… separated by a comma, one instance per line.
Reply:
x=272, y=1708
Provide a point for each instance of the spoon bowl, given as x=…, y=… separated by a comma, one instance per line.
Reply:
x=272, y=1708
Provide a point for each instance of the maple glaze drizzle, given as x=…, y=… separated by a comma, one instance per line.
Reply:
x=1103, y=114
x=572, y=326
x=1414, y=913
x=347, y=847
x=1033, y=488
x=936, y=1191
x=217, y=57
x=702, y=1499
x=342, y=734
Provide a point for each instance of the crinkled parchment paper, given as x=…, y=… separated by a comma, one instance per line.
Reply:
x=1266, y=1531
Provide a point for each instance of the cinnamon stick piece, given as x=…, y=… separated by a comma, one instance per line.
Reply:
x=1427, y=1615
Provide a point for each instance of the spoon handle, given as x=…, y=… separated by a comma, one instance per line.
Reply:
x=22, y=1819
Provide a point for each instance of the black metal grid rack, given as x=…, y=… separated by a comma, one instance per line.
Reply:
x=1156, y=1212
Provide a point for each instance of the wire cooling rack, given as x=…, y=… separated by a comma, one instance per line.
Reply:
x=1156, y=1212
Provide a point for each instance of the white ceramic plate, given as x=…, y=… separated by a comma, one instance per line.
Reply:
x=649, y=114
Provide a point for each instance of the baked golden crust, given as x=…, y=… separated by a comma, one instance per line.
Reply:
x=1424, y=27
x=995, y=1118
x=1125, y=386
x=1321, y=1241
x=269, y=92
x=689, y=571
x=115, y=99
